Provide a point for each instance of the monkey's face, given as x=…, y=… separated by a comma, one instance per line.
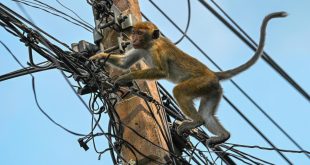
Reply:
x=140, y=38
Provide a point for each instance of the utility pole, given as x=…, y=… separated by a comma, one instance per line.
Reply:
x=134, y=111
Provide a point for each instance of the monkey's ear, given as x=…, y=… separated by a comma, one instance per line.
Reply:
x=156, y=34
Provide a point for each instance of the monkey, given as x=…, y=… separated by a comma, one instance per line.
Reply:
x=193, y=79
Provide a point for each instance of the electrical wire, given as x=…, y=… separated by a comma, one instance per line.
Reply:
x=52, y=47
x=81, y=22
x=187, y=24
x=267, y=148
x=21, y=7
x=35, y=95
x=36, y=27
x=245, y=154
x=75, y=14
x=78, y=23
x=256, y=129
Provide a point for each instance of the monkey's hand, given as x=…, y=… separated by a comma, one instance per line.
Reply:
x=99, y=56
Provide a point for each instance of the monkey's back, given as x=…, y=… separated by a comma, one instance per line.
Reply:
x=181, y=66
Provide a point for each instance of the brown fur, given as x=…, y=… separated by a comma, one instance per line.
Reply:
x=193, y=78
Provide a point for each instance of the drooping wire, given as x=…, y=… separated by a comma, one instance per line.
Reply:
x=36, y=27
x=243, y=155
x=256, y=129
x=52, y=47
x=75, y=14
x=267, y=148
x=230, y=148
x=46, y=8
x=188, y=22
x=62, y=73
x=24, y=11
x=82, y=22
x=35, y=95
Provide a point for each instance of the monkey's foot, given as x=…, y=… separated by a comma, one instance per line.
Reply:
x=187, y=125
x=213, y=141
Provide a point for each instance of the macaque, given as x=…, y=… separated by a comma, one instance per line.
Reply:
x=193, y=79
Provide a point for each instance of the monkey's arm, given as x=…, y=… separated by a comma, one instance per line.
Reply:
x=149, y=74
x=158, y=72
x=123, y=61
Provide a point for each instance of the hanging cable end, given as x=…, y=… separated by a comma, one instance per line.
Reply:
x=83, y=144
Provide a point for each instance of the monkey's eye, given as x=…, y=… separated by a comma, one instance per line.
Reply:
x=138, y=32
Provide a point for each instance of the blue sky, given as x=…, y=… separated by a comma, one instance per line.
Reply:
x=27, y=137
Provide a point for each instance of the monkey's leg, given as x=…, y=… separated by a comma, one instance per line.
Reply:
x=207, y=110
x=185, y=93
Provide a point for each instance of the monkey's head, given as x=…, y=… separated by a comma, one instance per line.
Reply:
x=143, y=34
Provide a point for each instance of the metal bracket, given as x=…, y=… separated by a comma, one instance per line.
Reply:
x=120, y=20
x=85, y=47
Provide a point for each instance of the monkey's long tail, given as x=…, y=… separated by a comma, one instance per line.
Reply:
x=232, y=72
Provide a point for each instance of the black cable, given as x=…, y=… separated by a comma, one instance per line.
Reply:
x=234, y=107
x=256, y=129
x=111, y=130
x=54, y=48
x=245, y=154
x=84, y=103
x=60, y=53
x=141, y=136
x=266, y=57
x=24, y=11
x=7, y=29
x=67, y=19
x=188, y=22
x=37, y=103
x=210, y=155
x=133, y=147
x=267, y=148
x=45, y=7
x=193, y=150
x=33, y=25
x=239, y=158
x=194, y=159
x=75, y=14
x=35, y=95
